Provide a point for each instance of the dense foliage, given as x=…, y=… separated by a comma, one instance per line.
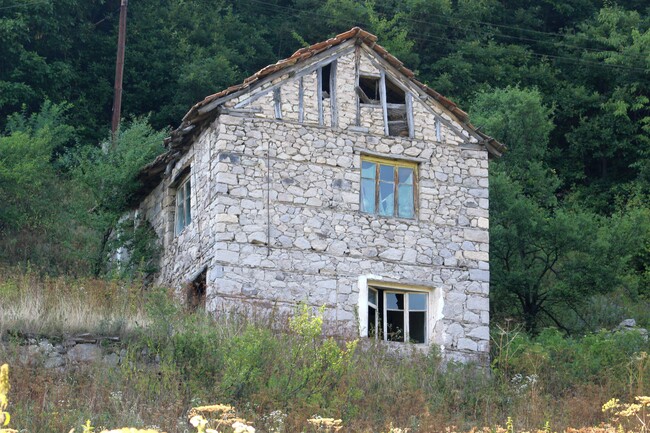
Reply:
x=565, y=84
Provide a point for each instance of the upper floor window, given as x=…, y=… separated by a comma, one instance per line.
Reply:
x=183, y=212
x=388, y=188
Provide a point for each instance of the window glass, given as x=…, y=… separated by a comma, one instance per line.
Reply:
x=394, y=301
x=368, y=170
x=386, y=173
x=417, y=302
x=388, y=188
x=386, y=199
x=183, y=214
x=372, y=297
x=397, y=315
x=368, y=195
x=188, y=216
x=405, y=175
x=180, y=212
x=405, y=201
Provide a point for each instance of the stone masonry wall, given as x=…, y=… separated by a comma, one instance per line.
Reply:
x=276, y=219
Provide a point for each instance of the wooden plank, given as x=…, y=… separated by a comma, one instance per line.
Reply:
x=382, y=96
x=301, y=104
x=277, y=103
x=357, y=60
x=362, y=97
x=251, y=110
x=333, y=107
x=319, y=95
x=438, y=130
x=409, y=114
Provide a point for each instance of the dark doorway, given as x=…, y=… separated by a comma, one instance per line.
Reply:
x=196, y=291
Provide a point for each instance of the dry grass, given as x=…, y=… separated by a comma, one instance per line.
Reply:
x=42, y=305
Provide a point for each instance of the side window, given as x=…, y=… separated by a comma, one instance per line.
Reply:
x=183, y=214
x=388, y=188
x=397, y=315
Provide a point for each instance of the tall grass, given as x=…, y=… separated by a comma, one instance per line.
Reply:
x=175, y=360
x=42, y=305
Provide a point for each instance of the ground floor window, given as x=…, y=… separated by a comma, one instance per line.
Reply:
x=397, y=315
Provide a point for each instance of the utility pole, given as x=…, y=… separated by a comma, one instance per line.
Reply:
x=119, y=69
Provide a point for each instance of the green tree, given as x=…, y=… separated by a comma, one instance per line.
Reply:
x=545, y=258
x=35, y=197
x=109, y=176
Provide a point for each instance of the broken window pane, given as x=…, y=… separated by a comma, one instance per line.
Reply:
x=395, y=317
x=405, y=175
x=398, y=316
x=388, y=188
x=386, y=199
x=394, y=93
x=395, y=325
x=368, y=170
x=368, y=195
x=417, y=326
x=394, y=301
x=405, y=199
x=372, y=322
x=372, y=297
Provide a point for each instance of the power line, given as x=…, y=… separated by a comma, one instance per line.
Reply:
x=24, y=4
x=294, y=12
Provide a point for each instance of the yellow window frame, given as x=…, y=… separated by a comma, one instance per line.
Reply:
x=396, y=163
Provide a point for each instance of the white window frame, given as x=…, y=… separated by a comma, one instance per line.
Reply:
x=405, y=311
x=433, y=314
x=183, y=205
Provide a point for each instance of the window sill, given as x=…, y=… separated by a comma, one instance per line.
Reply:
x=388, y=218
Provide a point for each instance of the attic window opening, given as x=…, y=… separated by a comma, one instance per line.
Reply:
x=396, y=106
x=369, y=90
x=394, y=93
x=325, y=80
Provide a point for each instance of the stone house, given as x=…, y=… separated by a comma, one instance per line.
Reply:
x=335, y=178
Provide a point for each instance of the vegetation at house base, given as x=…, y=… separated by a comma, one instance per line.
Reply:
x=282, y=375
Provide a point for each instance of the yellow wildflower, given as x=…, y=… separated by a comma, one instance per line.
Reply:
x=4, y=386
x=643, y=400
x=611, y=405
